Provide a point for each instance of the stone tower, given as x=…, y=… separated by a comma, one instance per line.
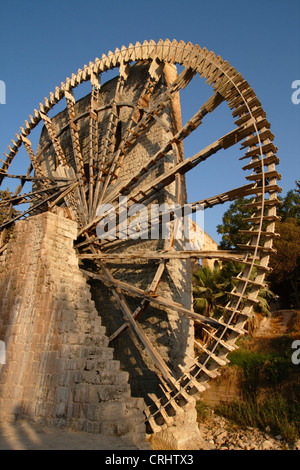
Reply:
x=56, y=323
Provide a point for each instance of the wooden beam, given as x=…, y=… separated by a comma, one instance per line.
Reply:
x=167, y=178
x=54, y=139
x=154, y=355
x=156, y=299
x=78, y=159
x=108, y=145
x=190, y=126
x=93, y=137
x=36, y=165
x=31, y=209
x=217, y=254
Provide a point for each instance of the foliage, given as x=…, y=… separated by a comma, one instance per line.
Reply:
x=207, y=289
x=233, y=221
x=280, y=413
x=287, y=246
x=261, y=369
x=203, y=411
x=211, y=289
x=270, y=388
x=290, y=208
x=285, y=263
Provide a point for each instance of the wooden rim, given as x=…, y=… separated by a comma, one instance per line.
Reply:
x=83, y=196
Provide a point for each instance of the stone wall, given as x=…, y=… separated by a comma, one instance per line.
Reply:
x=59, y=369
x=170, y=333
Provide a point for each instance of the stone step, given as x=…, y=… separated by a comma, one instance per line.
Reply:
x=92, y=352
x=113, y=392
x=106, y=364
x=105, y=377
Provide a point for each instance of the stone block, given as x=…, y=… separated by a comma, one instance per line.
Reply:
x=113, y=392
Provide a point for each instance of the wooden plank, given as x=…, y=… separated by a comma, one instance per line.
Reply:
x=254, y=247
x=217, y=254
x=36, y=165
x=258, y=164
x=80, y=174
x=266, y=174
x=182, y=167
x=54, y=139
x=156, y=299
x=31, y=209
x=192, y=381
x=257, y=151
x=210, y=354
x=155, y=427
x=167, y=419
x=156, y=358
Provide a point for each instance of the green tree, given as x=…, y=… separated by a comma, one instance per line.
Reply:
x=233, y=221
x=211, y=289
x=290, y=208
x=284, y=280
x=207, y=290
x=285, y=264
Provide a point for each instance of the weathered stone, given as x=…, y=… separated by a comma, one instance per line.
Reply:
x=46, y=333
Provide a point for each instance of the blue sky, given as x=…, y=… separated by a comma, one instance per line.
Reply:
x=43, y=42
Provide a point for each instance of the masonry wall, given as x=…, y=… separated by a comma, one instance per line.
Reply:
x=59, y=368
x=170, y=333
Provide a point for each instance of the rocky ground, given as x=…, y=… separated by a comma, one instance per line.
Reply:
x=219, y=433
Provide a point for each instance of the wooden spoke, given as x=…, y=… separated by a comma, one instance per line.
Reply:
x=156, y=299
x=179, y=83
x=100, y=164
x=77, y=152
x=224, y=142
x=36, y=178
x=197, y=254
x=134, y=132
x=109, y=142
x=30, y=197
x=168, y=177
x=113, y=166
x=33, y=209
x=54, y=139
x=93, y=137
x=36, y=165
x=192, y=124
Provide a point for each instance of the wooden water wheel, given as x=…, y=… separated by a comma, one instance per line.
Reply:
x=87, y=173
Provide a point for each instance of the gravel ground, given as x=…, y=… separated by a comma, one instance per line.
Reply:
x=220, y=434
x=217, y=434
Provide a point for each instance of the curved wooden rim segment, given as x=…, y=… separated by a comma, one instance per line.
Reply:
x=252, y=130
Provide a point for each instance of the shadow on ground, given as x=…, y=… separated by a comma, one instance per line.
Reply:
x=24, y=436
